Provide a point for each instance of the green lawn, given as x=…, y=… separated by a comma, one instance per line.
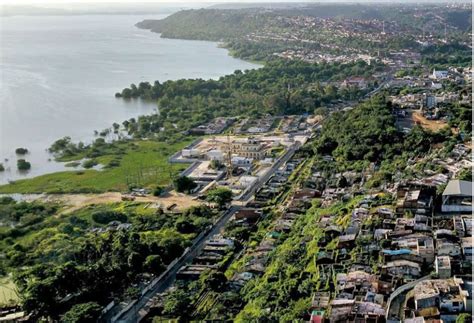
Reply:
x=8, y=292
x=144, y=163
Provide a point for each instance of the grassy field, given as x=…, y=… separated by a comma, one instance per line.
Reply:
x=8, y=292
x=144, y=164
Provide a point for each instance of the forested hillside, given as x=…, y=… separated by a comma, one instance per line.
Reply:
x=279, y=88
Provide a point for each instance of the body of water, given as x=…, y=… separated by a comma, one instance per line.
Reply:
x=59, y=75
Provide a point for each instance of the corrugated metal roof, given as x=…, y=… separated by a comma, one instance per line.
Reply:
x=458, y=187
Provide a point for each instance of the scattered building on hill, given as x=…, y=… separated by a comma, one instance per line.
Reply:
x=457, y=197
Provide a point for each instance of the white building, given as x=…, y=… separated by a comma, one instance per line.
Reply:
x=246, y=181
x=215, y=155
x=250, y=148
x=193, y=153
x=240, y=161
x=457, y=197
x=439, y=74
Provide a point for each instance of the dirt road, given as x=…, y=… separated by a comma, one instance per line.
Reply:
x=74, y=202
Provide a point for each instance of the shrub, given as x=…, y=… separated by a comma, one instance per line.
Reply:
x=21, y=151
x=22, y=164
x=158, y=191
x=81, y=313
x=184, y=184
x=89, y=163
x=104, y=217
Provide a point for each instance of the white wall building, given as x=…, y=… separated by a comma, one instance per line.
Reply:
x=457, y=197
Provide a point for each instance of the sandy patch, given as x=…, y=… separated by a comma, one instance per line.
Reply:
x=74, y=202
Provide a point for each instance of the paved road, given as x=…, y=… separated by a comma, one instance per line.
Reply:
x=140, y=308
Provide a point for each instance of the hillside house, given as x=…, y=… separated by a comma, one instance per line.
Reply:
x=437, y=75
x=444, y=294
x=402, y=268
x=457, y=197
x=466, y=246
x=443, y=266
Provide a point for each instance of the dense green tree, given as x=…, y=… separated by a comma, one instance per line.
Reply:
x=158, y=191
x=185, y=226
x=216, y=281
x=154, y=264
x=184, y=184
x=82, y=313
x=21, y=151
x=219, y=195
x=22, y=164
x=107, y=216
x=177, y=303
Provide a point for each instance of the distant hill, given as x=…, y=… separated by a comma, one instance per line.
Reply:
x=224, y=24
x=208, y=24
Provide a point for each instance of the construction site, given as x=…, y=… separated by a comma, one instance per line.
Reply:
x=235, y=162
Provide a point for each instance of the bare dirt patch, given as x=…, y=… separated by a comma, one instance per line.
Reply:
x=433, y=125
x=74, y=202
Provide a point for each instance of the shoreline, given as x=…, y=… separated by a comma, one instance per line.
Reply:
x=46, y=164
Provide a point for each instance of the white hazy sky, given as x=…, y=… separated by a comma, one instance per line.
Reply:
x=29, y=2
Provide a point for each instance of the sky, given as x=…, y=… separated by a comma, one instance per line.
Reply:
x=32, y=2
x=29, y=2
x=67, y=2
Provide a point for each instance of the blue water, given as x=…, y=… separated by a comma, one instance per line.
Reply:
x=59, y=74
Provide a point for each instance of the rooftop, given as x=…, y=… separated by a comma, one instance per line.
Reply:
x=458, y=187
x=435, y=287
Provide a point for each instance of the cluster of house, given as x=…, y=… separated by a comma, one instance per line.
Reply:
x=427, y=101
x=435, y=94
x=334, y=187
x=211, y=257
x=413, y=259
x=401, y=59
x=358, y=82
x=276, y=184
x=257, y=257
x=292, y=124
x=442, y=166
x=253, y=126
x=213, y=127
x=436, y=78
x=318, y=56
